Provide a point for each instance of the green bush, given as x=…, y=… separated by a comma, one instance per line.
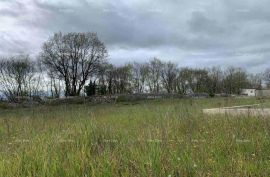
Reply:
x=211, y=95
x=4, y=105
x=122, y=98
x=90, y=89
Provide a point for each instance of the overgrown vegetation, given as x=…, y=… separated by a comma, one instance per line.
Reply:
x=153, y=138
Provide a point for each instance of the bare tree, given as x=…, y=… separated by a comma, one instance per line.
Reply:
x=74, y=58
x=184, y=80
x=255, y=81
x=195, y=80
x=215, y=75
x=109, y=75
x=200, y=80
x=169, y=75
x=140, y=72
x=235, y=80
x=55, y=85
x=115, y=79
x=266, y=77
x=17, y=77
x=122, y=77
x=154, y=76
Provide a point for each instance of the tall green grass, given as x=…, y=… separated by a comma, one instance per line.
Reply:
x=154, y=138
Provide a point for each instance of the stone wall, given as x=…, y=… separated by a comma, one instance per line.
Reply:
x=263, y=93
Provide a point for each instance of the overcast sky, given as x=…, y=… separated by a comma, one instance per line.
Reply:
x=189, y=32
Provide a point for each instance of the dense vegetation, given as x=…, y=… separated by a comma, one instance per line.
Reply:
x=152, y=138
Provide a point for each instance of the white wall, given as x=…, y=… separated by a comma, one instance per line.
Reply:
x=249, y=92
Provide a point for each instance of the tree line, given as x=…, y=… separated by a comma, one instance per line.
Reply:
x=75, y=63
x=157, y=76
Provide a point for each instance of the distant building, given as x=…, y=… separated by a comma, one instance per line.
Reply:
x=263, y=93
x=248, y=92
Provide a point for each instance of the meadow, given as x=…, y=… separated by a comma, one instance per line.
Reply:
x=169, y=137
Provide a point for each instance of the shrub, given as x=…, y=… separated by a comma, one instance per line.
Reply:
x=122, y=98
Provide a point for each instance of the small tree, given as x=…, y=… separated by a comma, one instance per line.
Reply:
x=17, y=77
x=90, y=89
x=154, y=75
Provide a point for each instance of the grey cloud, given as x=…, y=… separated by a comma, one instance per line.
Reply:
x=8, y=12
x=188, y=32
x=199, y=23
x=12, y=46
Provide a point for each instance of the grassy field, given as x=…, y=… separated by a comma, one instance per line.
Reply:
x=153, y=138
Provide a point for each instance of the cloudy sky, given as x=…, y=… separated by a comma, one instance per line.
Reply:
x=189, y=32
